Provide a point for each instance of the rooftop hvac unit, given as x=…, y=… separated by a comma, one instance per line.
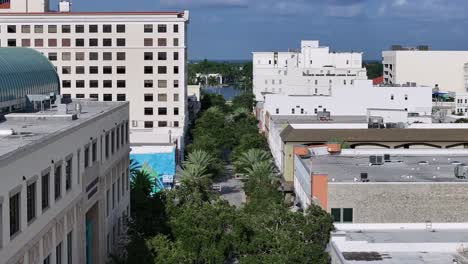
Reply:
x=376, y=160
x=325, y=115
x=390, y=125
x=364, y=177
x=461, y=171
x=386, y=157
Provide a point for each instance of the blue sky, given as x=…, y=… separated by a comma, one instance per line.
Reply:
x=232, y=29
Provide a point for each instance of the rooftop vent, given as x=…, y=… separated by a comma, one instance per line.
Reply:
x=376, y=160
x=364, y=177
x=461, y=171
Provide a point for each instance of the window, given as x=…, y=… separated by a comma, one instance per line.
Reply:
x=277, y=111
x=31, y=201
x=162, y=123
x=121, y=84
x=79, y=56
x=68, y=174
x=69, y=248
x=406, y=97
x=120, y=42
x=46, y=260
x=24, y=29
x=52, y=42
x=176, y=123
x=93, y=28
x=12, y=29
x=94, y=96
x=162, y=28
x=80, y=70
x=93, y=70
x=15, y=219
x=107, y=69
x=162, y=83
x=162, y=97
x=118, y=185
x=79, y=96
x=121, y=28
x=58, y=254
x=66, y=56
x=107, y=42
x=107, y=203
x=148, y=28
x=176, y=56
x=93, y=42
x=149, y=124
x=66, y=29
x=79, y=42
x=122, y=134
x=148, y=69
x=176, y=69
x=176, y=111
x=93, y=56
x=45, y=184
x=162, y=111
x=176, y=97
x=148, y=83
x=66, y=42
x=25, y=43
x=107, y=145
x=148, y=111
x=107, y=84
x=79, y=28
x=148, y=97
x=391, y=97
x=113, y=195
x=121, y=97
x=148, y=42
x=11, y=43
x=148, y=55
x=162, y=56
x=176, y=28
x=336, y=214
x=86, y=157
x=94, y=152
x=66, y=84
x=38, y=42
x=107, y=56
x=107, y=28
x=120, y=56
x=342, y=215
x=79, y=83
x=112, y=141
x=52, y=56
x=176, y=83
x=162, y=69
x=162, y=42
x=121, y=70
x=292, y=111
x=176, y=42
x=107, y=97
x=347, y=215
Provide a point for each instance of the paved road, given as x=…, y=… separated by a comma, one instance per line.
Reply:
x=231, y=188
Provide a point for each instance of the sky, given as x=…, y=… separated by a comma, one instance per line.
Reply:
x=233, y=29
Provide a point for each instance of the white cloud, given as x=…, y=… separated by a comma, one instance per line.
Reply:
x=400, y=2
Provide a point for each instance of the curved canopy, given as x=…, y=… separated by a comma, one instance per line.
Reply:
x=25, y=71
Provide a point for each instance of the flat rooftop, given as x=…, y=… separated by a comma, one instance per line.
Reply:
x=382, y=246
x=29, y=129
x=405, y=165
x=298, y=119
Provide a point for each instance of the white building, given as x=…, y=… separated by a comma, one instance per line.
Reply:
x=311, y=71
x=461, y=104
x=138, y=57
x=64, y=191
x=447, y=69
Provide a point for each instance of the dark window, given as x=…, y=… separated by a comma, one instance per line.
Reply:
x=93, y=83
x=148, y=83
x=176, y=28
x=162, y=123
x=93, y=42
x=58, y=182
x=107, y=42
x=148, y=111
x=107, y=97
x=66, y=84
x=120, y=42
x=38, y=29
x=107, y=84
x=52, y=28
x=46, y=260
x=148, y=42
x=176, y=69
x=120, y=56
x=11, y=29
x=162, y=28
x=93, y=69
x=66, y=29
x=79, y=28
x=347, y=215
x=162, y=69
x=336, y=214
x=148, y=56
x=69, y=248
x=107, y=56
x=31, y=201
x=113, y=141
x=121, y=97
x=79, y=56
x=68, y=174
x=24, y=29
x=148, y=70
x=66, y=96
x=176, y=123
x=148, y=28
x=52, y=42
x=107, y=145
x=113, y=195
x=52, y=56
x=121, y=84
x=93, y=56
x=66, y=42
x=176, y=83
x=176, y=42
x=149, y=124
x=15, y=214
x=86, y=157
x=25, y=43
x=94, y=96
x=80, y=96
x=121, y=69
x=11, y=43
x=80, y=70
x=162, y=111
x=79, y=83
x=176, y=111
x=162, y=42
x=107, y=69
x=176, y=55
x=148, y=97
x=45, y=183
x=93, y=28
x=58, y=254
x=120, y=28
x=162, y=56
x=38, y=42
x=107, y=28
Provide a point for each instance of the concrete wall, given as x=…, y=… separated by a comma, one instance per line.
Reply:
x=401, y=202
x=445, y=68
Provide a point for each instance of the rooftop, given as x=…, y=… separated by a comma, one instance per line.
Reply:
x=393, y=245
x=93, y=13
x=301, y=119
x=407, y=165
x=32, y=128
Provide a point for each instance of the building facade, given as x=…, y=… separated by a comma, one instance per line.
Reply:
x=313, y=70
x=138, y=57
x=446, y=69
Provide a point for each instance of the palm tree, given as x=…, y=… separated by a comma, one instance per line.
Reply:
x=247, y=160
x=199, y=158
x=134, y=167
x=141, y=181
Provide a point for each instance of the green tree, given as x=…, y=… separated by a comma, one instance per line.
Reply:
x=245, y=100
x=245, y=162
x=462, y=120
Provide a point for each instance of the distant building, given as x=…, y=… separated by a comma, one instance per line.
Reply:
x=64, y=192
x=446, y=69
x=313, y=70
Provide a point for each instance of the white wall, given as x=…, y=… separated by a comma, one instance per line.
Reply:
x=445, y=68
x=27, y=6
